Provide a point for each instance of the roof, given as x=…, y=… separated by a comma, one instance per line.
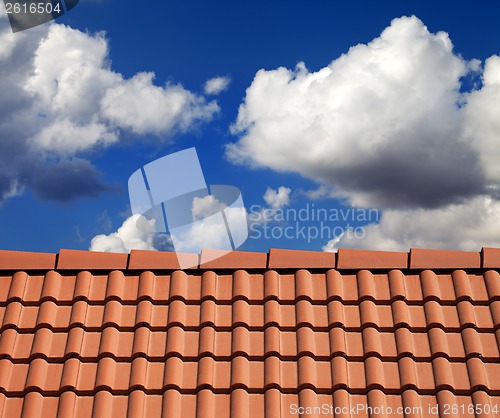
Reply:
x=88, y=334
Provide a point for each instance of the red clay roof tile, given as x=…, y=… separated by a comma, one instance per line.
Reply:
x=359, y=259
x=216, y=259
x=300, y=259
x=101, y=339
x=87, y=260
x=490, y=257
x=156, y=260
x=15, y=260
x=443, y=259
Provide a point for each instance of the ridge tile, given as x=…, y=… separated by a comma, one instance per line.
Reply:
x=298, y=259
x=88, y=260
x=362, y=259
x=490, y=258
x=158, y=260
x=216, y=259
x=17, y=260
x=443, y=259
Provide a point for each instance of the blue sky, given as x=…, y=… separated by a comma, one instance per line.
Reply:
x=404, y=123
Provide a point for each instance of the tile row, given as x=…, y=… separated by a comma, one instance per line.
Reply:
x=241, y=404
x=276, y=258
x=252, y=287
x=288, y=376
x=223, y=345
x=303, y=313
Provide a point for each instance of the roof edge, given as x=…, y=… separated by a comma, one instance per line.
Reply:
x=344, y=259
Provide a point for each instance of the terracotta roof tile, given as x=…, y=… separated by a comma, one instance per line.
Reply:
x=155, y=260
x=358, y=259
x=490, y=257
x=300, y=259
x=130, y=337
x=442, y=259
x=86, y=260
x=216, y=259
x=15, y=260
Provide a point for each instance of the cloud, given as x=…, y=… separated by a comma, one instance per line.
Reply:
x=211, y=232
x=321, y=192
x=464, y=226
x=385, y=124
x=209, y=225
x=388, y=125
x=205, y=228
x=67, y=138
x=142, y=107
x=277, y=199
x=73, y=82
x=203, y=207
x=66, y=180
x=129, y=236
x=61, y=97
x=482, y=124
x=217, y=85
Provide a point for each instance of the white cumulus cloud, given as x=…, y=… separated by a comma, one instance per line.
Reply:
x=482, y=121
x=203, y=207
x=390, y=125
x=383, y=124
x=60, y=96
x=210, y=233
x=208, y=228
x=129, y=236
x=73, y=81
x=217, y=85
x=465, y=226
x=277, y=199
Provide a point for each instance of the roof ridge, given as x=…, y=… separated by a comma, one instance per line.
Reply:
x=343, y=259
